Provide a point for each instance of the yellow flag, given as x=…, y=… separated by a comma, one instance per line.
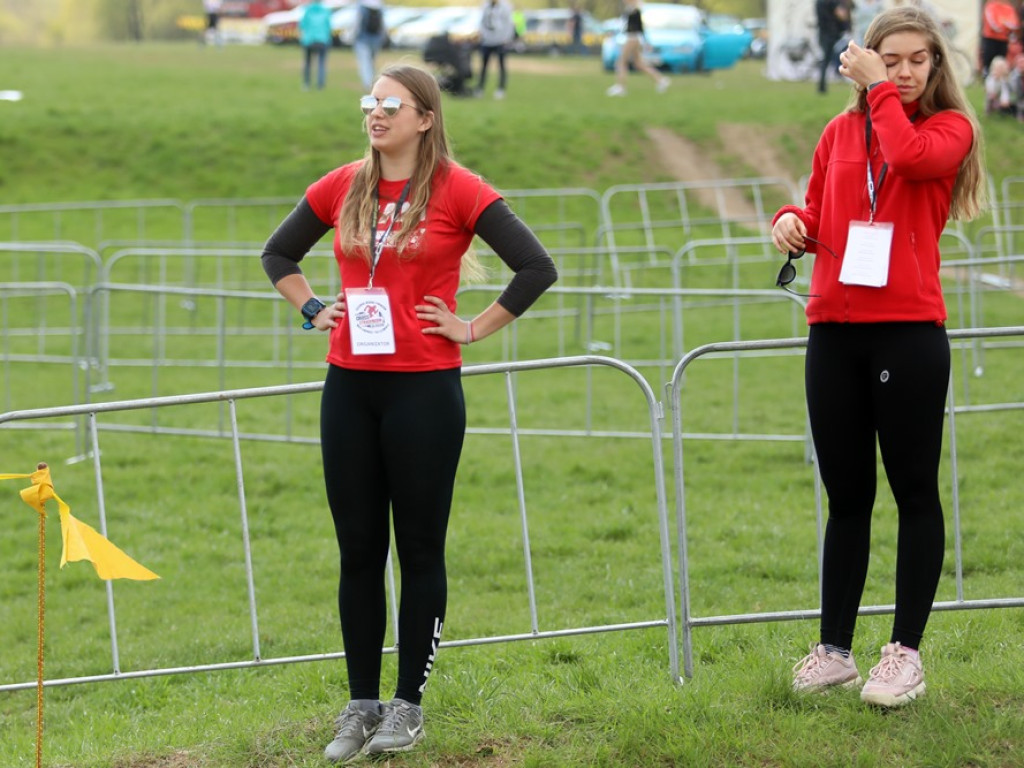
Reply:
x=81, y=541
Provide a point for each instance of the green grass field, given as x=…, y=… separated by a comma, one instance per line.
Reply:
x=182, y=123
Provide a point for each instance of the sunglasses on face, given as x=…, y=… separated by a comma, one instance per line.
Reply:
x=788, y=272
x=389, y=105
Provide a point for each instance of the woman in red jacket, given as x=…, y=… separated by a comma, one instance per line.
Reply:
x=887, y=174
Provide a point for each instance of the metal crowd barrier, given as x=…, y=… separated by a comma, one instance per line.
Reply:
x=91, y=221
x=643, y=211
x=689, y=621
x=163, y=332
x=25, y=340
x=232, y=397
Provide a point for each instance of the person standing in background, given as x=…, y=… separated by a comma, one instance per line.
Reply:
x=833, y=22
x=315, y=38
x=1017, y=86
x=211, y=35
x=370, y=36
x=497, y=31
x=518, y=24
x=576, y=26
x=999, y=22
x=632, y=52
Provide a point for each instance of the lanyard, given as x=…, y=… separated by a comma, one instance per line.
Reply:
x=874, y=187
x=377, y=246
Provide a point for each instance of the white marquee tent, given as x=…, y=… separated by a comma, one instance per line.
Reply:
x=793, y=35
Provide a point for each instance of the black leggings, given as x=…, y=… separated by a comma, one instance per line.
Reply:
x=486, y=51
x=888, y=379
x=391, y=439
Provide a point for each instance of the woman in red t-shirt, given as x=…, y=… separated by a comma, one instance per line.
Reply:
x=392, y=417
x=886, y=175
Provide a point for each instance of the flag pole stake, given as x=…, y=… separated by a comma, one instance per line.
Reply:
x=42, y=618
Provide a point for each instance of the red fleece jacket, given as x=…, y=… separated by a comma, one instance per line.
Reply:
x=923, y=157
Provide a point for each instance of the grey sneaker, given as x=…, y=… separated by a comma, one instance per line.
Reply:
x=896, y=680
x=354, y=727
x=819, y=670
x=401, y=729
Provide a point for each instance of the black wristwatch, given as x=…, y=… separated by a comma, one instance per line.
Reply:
x=310, y=310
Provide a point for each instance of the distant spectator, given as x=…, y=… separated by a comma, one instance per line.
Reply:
x=998, y=97
x=833, y=22
x=370, y=37
x=211, y=36
x=632, y=52
x=497, y=31
x=518, y=23
x=999, y=22
x=576, y=28
x=1017, y=86
x=315, y=37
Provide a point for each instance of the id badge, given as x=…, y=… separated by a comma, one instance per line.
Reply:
x=370, y=325
x=866, y=261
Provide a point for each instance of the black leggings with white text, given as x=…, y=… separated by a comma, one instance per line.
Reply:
x=887, y=380
x=391, y=440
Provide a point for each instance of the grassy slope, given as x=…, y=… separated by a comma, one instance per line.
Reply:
x=179, y=121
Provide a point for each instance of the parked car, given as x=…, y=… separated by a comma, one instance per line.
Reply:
x=681, y=40
x=343, y=21
x=758, y=28
x=394, y=16
x=611, y=26
x=283, y=26
x=414, y=34
x=466, y=31
x=549, y=30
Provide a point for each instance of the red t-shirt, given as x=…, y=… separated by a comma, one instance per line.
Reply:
x=999, y=20
x=429, y=264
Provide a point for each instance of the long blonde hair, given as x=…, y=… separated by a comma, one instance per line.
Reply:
x=942, y=91
x=359, y=211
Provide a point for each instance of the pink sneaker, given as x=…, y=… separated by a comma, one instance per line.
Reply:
x=896, y=680
x=819, y=670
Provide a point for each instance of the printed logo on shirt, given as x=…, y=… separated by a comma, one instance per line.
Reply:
x=384, y=220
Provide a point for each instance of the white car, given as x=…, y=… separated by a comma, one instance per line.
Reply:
x=414, y=34
x=467, y=29
x=394, y=17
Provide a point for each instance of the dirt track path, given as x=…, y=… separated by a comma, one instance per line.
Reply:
x=686, y=161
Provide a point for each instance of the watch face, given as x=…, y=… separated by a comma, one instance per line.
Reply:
x=311, y=307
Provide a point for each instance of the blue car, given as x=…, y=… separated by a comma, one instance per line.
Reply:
x=682, y=39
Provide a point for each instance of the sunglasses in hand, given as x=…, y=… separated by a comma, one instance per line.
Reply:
x=788, y=272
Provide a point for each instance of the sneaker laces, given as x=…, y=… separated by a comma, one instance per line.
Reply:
x=891, y=665
x=810, y=666
x=349, y=723
x=394, y=719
